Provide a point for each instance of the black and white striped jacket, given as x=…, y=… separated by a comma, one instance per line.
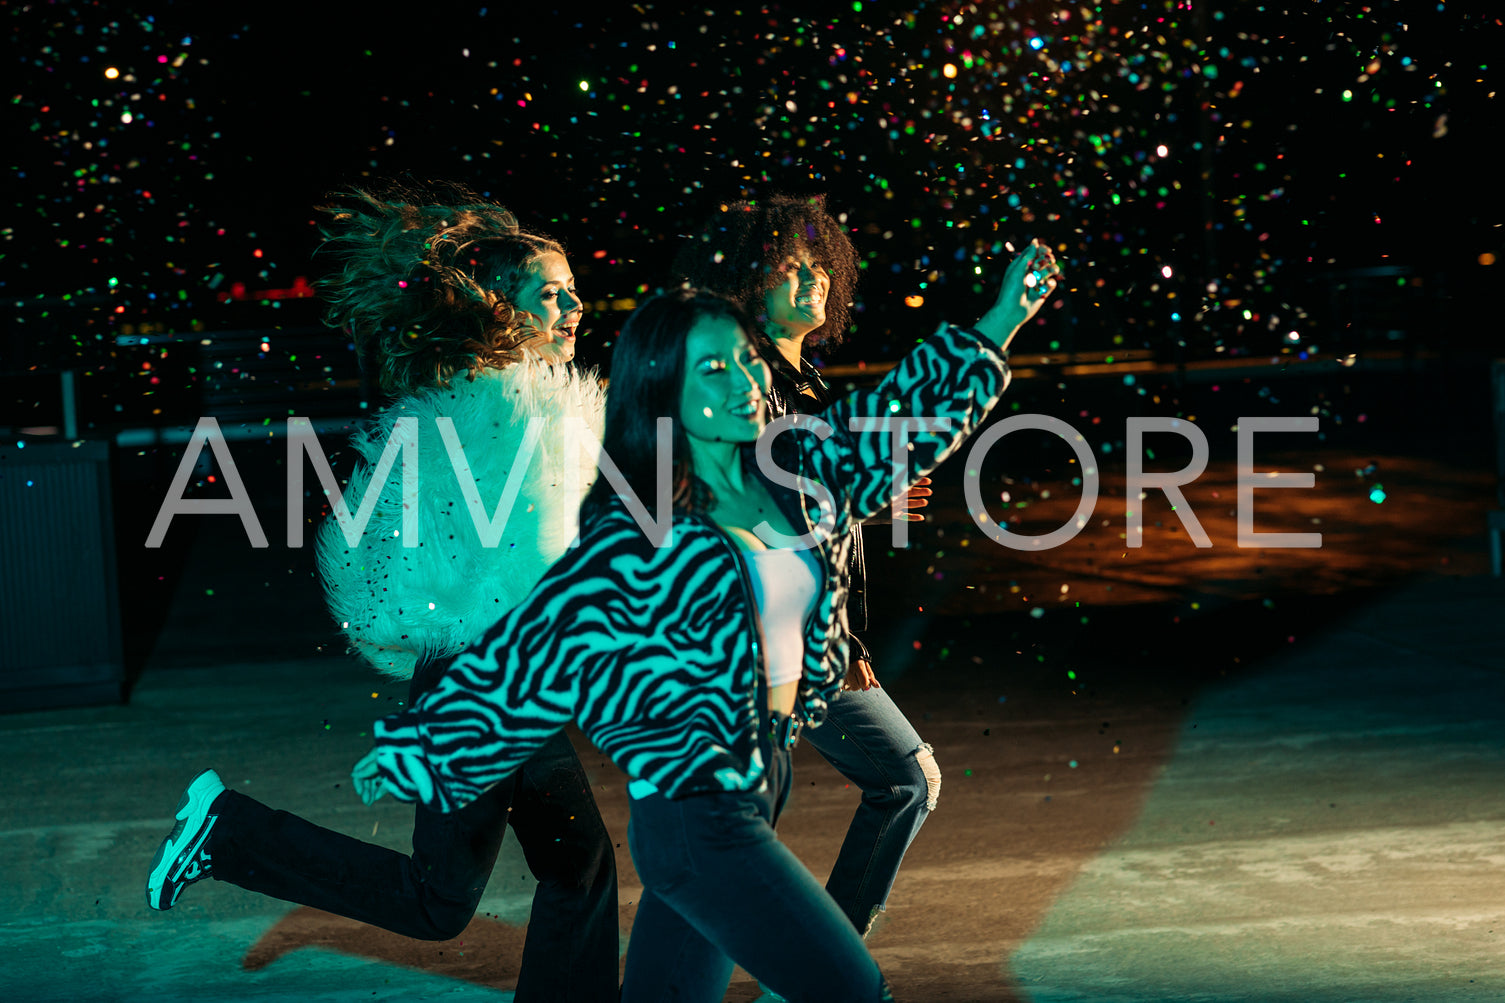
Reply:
x=656, y=651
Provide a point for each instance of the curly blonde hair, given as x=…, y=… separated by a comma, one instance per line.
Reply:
x=429, y=282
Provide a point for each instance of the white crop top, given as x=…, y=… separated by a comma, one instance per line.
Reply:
x=785, y=583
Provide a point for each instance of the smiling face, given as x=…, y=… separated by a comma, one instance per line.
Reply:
x=548, y=296
x=797, y=305
x=723, y=397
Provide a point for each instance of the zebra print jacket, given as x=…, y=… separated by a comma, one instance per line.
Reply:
x=656, y=651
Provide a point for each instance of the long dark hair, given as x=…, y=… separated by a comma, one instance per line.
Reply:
x=647, y=382
x=428, y=281
x=738, y=250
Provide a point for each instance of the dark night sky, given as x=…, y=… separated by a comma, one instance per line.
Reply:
x=162, y=153
x=1220, y=179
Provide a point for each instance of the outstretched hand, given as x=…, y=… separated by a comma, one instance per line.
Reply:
x=368, y=779
x=915, y=498
x=1031, y=276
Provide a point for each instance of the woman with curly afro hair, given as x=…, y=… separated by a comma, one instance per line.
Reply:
x=793, y=269
x=469, y=322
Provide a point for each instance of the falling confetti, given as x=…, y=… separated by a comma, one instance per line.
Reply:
x=1198, y=169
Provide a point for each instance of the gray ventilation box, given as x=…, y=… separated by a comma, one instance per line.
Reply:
x=60, y=641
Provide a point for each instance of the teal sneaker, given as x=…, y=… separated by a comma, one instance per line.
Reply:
x=182, y=858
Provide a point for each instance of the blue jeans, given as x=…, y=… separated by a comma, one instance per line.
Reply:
x=720, y=889
x=871, y=743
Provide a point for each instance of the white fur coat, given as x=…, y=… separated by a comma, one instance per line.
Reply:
x=399, y=605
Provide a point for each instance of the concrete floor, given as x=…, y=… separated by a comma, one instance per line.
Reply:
x=1289, y=798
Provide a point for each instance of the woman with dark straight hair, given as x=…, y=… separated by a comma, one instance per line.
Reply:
x=793, y=269
x=694, y=657
x=468, y=320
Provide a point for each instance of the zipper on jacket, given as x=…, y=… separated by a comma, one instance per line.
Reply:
x=755, y=631
x=750, y=606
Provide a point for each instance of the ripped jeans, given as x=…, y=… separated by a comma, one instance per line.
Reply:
x=871, y=743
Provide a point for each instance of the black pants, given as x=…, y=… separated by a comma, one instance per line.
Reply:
x=720, y=889
x=572, y=949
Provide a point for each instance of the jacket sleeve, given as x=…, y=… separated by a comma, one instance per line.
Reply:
x=955, y=375
x=520, y=683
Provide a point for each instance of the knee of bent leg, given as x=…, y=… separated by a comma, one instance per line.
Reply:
x=445, y=923
x=925, y=757
x=440, y=915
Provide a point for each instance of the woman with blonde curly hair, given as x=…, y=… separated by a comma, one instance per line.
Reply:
x=469, y=321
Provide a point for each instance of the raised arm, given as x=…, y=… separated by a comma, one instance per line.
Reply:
x=1030, y=277
x=946, y=385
